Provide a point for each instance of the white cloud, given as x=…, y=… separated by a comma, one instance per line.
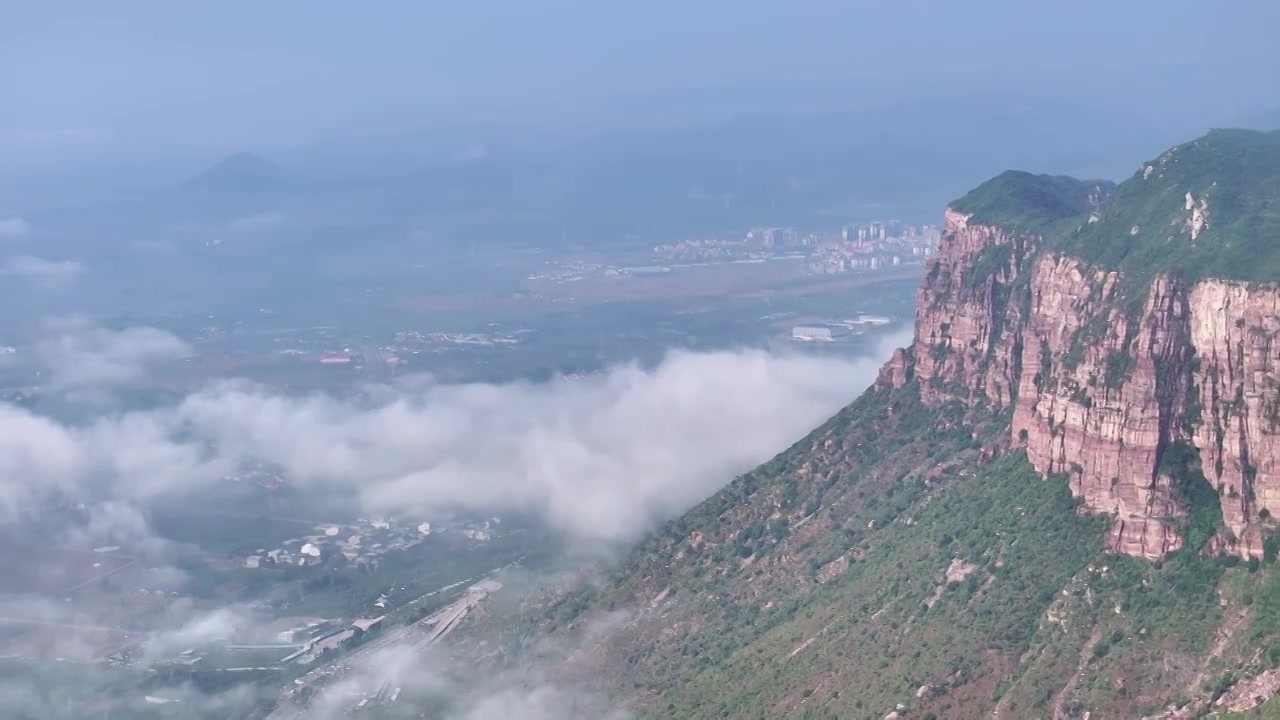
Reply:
x=604, y=459
x=40, y=271
x=427, y=676
x=81, y=355
x=419, y=672
x=37, y=456
x=12, y=228
x=113, y=457
x=189, y=628
x=544, y=702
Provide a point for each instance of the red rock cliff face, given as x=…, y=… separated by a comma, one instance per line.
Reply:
x=1235, y=330
x=1100, y=390
x=959, y=346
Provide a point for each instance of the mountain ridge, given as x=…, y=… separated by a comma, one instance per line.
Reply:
x=1056, y=502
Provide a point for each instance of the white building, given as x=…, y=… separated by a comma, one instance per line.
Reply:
x=485, y=587
x=808, y=333
x=365, y=624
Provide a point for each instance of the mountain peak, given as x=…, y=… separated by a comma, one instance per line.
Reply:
x=1020, y=200
x=239, y=172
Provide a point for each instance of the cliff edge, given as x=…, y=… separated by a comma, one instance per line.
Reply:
x=1132, y=330
x=1058, y=501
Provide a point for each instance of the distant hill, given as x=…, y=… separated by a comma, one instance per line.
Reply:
x=243, y=172
x=782, y=169
x=432, y=197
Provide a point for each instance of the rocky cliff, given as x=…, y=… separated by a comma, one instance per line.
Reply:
x=1093, y=376
x=1132, y=333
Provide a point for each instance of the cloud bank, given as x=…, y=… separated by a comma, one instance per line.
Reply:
x=603, y=458
x=13, y=228
x=429, y=678
x=49, y=274
x=81, y=355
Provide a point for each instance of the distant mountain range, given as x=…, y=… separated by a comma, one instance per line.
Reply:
x=307, y=213
x=808, y=170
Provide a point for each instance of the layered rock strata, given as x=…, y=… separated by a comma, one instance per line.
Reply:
x=1101, y=388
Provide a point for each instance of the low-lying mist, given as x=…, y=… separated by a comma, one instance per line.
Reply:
x=602, y=458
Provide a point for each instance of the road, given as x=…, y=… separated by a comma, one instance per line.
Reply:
x=101, y=576
x=376, y=368
x=423, y=633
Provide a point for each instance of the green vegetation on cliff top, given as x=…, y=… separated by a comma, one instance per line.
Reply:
x=1144, y=226
x=1233, y=178
x=1018, y=200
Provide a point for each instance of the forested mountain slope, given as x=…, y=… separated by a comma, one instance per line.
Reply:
x=1057, y=502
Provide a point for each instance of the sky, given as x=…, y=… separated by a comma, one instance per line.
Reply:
x=83, y=77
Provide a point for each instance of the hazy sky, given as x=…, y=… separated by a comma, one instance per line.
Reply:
x=80, y=75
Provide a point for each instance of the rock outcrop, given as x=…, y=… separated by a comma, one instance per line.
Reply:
x=1235, y=330
x=1106, y=370
x=1072, y=338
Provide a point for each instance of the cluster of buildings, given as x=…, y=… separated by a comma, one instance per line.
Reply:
x=570, y=271
x=301, y=640
x=754, y=246
x=836, y=329
x=479, y=532
x=360, y=544
x=363, y=543
x=856, y=246
x=346, y=356
x=384, y=693
x=573, y=271
x=414, y=342
x=407, y=343
x=329, y=637
x=874, y=246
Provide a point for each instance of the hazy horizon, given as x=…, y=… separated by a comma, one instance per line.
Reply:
x=155, y=83
x=568, y=360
